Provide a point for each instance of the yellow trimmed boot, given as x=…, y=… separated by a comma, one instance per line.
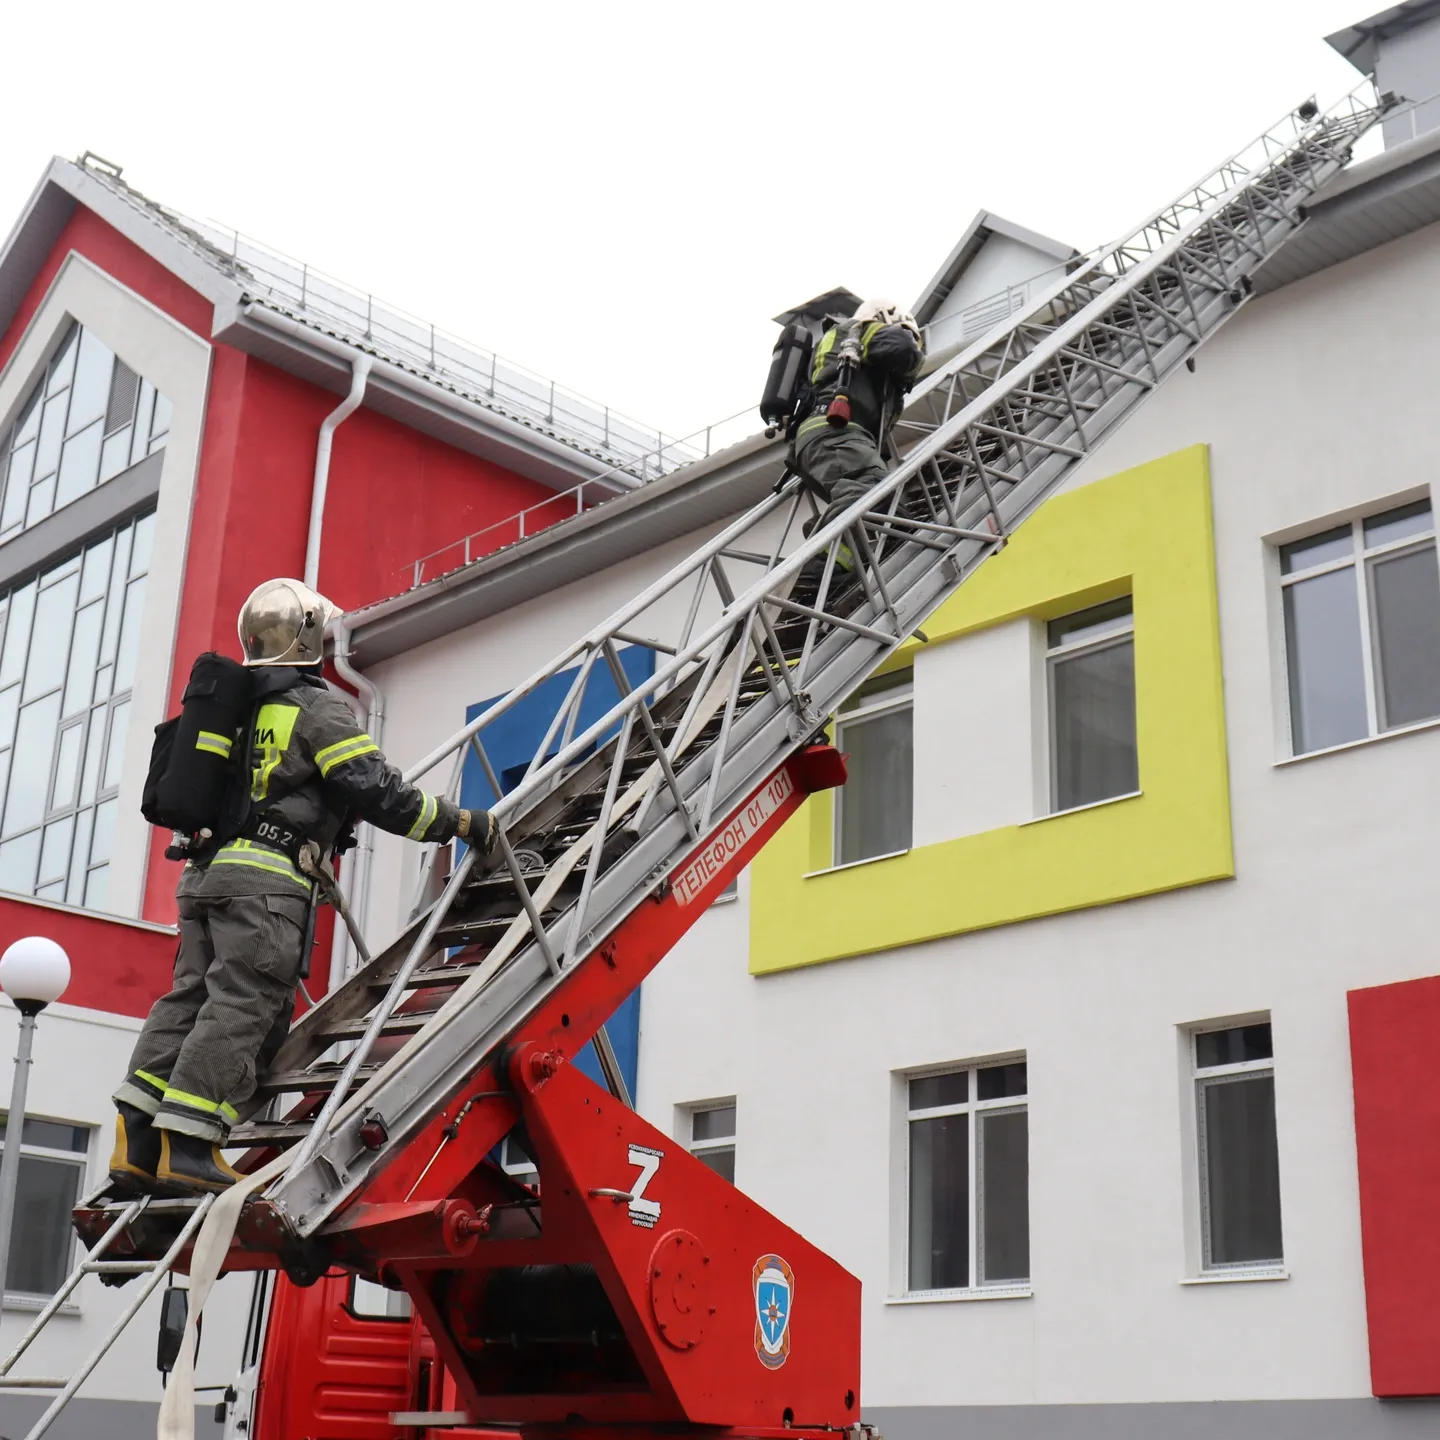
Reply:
x=191, y=1166
x=137, y=1152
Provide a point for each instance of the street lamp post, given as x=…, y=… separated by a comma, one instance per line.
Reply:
x=33, y=972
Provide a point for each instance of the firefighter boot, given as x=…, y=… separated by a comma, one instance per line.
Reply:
x=191, y=1166
x=136, y=1154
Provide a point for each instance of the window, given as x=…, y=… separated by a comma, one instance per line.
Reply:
x=968, y=1179
x=1090, y=665
x=71, y=638
x=515, y=1161
x=1362, y=628
x=88, y=418
x=712, y=1137
x=369, y=1301
x=873, y=808
x=52, y=1167
x=1239, y=1168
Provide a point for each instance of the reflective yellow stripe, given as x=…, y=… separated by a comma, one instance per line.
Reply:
x=198, y=1102
x=822, y=351
x=274, y=726
x=871, y=331
x=215, y=744
x=150, y=1079
x=258, y=857
x=343, y=750
x=428, y=809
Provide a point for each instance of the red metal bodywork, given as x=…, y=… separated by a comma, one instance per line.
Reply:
x=628, y=1298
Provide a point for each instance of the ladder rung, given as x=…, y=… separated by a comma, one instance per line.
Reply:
x=30, y=1382
x=263, y=1132
x=118, y=1267
x=310, y=1080
x=406, y=1024
x=438, y=975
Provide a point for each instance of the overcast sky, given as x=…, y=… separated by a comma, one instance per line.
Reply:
x=620, y=195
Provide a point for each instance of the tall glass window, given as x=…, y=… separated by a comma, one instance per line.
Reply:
x=875, y=729
x=1362, y=628
x=71, y=638
x=88, y=418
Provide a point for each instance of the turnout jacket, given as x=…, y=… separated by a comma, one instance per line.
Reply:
x=311, y=767
x=890, y=359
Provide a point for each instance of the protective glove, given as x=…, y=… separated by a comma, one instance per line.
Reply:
x=479, y=828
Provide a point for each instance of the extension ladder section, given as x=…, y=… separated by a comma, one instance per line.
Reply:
x=622, y=830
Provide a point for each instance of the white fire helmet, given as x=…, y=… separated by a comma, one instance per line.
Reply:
x=887, y=312
x=283, y=623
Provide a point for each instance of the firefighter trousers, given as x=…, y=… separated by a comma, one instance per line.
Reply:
x=841, y=465
x=226, y=1015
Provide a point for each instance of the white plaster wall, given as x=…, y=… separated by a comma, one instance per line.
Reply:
x=1000, y=263
x=79, y=1056
x=177, y=362
x=1316, y=402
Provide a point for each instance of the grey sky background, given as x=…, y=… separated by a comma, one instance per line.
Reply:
x=619, y=196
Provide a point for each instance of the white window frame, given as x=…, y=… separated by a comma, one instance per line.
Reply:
x=79, y=1160
x=1201, y=1078
x=1122, y=634
x=1361, y=559
x=521, y=1167
x=974, y=1107
x=715, y=1142
x=900, y=696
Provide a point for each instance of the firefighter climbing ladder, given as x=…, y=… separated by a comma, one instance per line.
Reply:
x=613, y=812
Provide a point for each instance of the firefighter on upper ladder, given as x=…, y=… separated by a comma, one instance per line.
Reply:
x=246, y=904
x=858, y=377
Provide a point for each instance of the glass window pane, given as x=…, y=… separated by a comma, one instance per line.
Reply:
x=1322, y=653
x=67, y=772
x=17, y=633
x=91, y=387
x=75, y=882
x=80, y=676
x=370, y=1301
x=30, y=770
x=50, y=646
x=1317, y=550
x=929, y=1091
x=9, y=713
x=96, y=570
x=143, y=411
x=27, y=427
x=1234, y=1046
x=22, y=471
x=1397, y=524
x=115, y=746
x=97, y=888
x=999, y=1082
x=52, y=436
x=160, y=425
x=713, y=1124
x=940, y=1203
x=90, y=775
x=41, y=502
x=104, y=836
x=1241, y=1171
x=115, y=455
x=1093, y=739
x=50, y=1135
x=1406, y=595
x=62, y=364
x=18, y=859
x=1092, y=624
x=877, y=801
x=55, y=851
x=41, y=1240
x=1003, y=1175
x=79, y=465
x=141, y=545
x=129, y=650
x=721, y=1161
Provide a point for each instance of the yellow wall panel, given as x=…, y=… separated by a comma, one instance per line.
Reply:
x=1147, y=531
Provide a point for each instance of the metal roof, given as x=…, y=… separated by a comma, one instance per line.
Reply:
x=1358, y=42
x=304, y=322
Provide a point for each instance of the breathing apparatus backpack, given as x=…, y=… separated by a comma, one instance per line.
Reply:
x=788, y=377
x=196, y=756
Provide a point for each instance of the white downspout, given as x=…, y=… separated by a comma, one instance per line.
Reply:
x=331, y=423
x=370, y=695
x=343, y=959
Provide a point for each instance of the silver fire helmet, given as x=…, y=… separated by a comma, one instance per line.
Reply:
x=887, y=312
x=283, y=623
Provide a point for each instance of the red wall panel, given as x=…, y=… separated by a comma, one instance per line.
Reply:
x=114, y=967
x=1395, y=1055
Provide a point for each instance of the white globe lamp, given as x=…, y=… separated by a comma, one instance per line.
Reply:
x=33, y=972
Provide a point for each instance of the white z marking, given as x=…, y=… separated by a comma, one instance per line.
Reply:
x=644, y=1212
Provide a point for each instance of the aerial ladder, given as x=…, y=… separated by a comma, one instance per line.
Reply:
x=633, y=1286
